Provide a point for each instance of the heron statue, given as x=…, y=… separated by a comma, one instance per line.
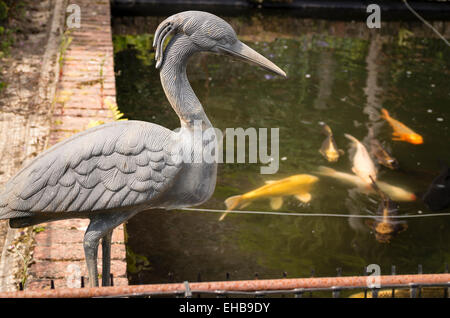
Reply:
x=109, y=173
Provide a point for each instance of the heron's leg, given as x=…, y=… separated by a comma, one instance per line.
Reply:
x=106, y=262
x=101, y=224
x=90, y=244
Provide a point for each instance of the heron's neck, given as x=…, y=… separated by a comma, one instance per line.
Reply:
x=176, y=85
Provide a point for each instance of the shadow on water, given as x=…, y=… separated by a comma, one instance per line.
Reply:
x=338, y=73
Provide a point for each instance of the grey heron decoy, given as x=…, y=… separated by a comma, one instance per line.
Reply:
x=111, y=172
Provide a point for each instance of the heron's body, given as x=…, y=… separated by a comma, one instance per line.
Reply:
x=127, y=167
x=111, y=172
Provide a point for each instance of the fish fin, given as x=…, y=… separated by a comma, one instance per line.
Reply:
x=276, y=203
x=269, y=181
x=384, y=114
x=327, y=130
x=397, y=139
x=325, y=171
x=341, y=152
x=231, y=203
x=304, y=197
x=245, y=204
x=350, y=137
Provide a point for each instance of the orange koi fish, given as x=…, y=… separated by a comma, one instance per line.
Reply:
x=401, y=132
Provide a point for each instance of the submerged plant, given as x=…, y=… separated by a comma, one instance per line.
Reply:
x=403, y=36
x=136, y=262
x=141, y=43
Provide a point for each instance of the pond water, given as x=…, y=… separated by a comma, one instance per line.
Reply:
x=339, y=73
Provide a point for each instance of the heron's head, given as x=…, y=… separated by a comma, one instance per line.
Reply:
x=209, y=33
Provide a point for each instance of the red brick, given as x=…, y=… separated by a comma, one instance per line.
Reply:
x=76, y=123
x=62, y=283
x=61, y=269
x=59, y=235
x=52, y=236
x=120, y=281
x=118, y=236
x=38, y=285
x=74, y=252
x=70, y=224
x=61, y=243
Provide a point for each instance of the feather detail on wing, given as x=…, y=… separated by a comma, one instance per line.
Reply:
x=114, y=165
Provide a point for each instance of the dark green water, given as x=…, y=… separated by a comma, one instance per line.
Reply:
x=335, y=77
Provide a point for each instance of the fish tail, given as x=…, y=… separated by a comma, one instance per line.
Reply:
x=325, y=171
x=327, y=130
x=385, y=114
x=231, y=203
x=350, y=137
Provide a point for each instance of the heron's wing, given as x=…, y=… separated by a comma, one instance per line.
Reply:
x=111, y=166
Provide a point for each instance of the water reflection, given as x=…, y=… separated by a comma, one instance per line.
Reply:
x=384, y=226
x=338, y=73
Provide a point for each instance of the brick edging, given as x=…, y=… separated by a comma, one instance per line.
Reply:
x=86, y=82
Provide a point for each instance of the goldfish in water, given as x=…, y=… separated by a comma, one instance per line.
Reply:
x=401, y=131
x=383, y=157
x=396, y=193
x=329, y=148
x=425, y=292
x=363, y=165
x=386, y=228
x=297, y=185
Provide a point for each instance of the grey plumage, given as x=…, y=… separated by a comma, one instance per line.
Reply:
x=125, y=166
x=113, y=171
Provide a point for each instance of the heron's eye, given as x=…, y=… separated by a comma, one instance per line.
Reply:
x=223, y=41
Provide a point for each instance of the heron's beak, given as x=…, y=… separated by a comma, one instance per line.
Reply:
x=244, y=52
